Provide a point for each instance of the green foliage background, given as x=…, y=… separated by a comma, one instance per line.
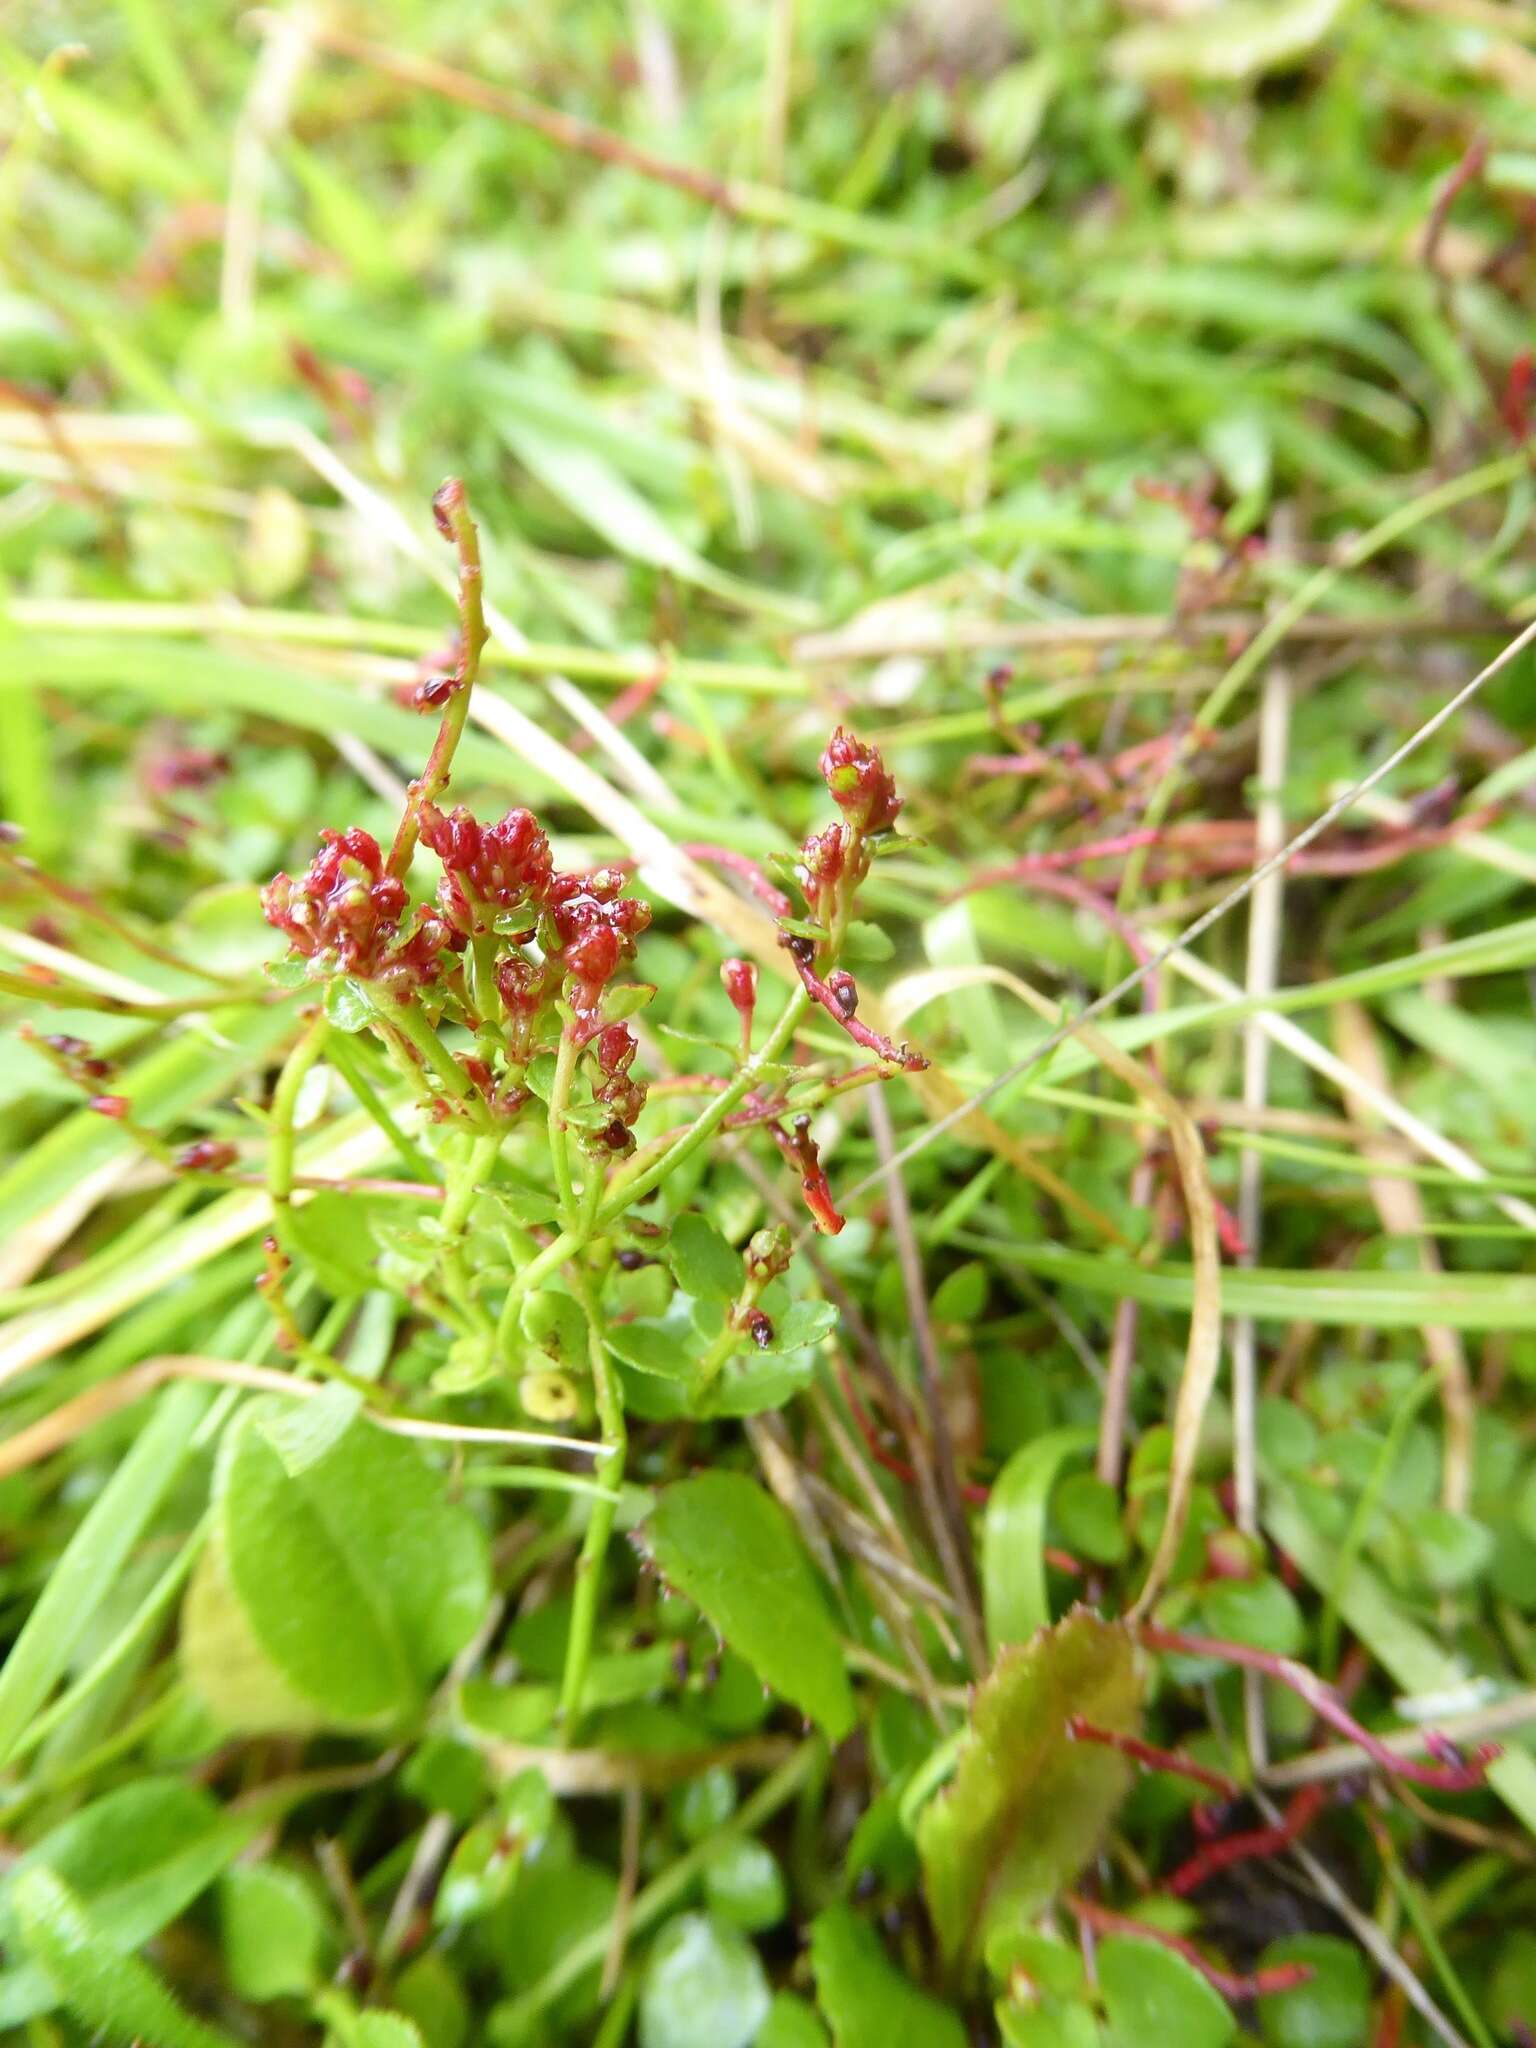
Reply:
x=1077, y=337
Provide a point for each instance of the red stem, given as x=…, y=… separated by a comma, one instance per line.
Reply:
x=1154, y=1758
x=745, y=869
x=1324, y=1702
x=887, y=1460
x=1262, y=1984
x=882, y=1048
x=1301, y=1810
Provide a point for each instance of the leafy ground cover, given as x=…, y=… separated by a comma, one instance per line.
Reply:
x=723, y=1320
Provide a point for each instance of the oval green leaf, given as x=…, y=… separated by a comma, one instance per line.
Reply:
x=731, y=1548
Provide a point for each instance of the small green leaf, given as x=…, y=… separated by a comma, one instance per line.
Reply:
x=803, y=1323
x=1332, y=2009
x=1027, y=1805
x=791, y=2023
x=329, y=1233
x=385, y=2030
x=347, y=1004
x=704, y=1987
x=865, y=942
x=1013, y=1536
x=540, y=1076
x=705, y=1265
x=743, y=1884
x=1452, y=1550
x=1087, y=1512
x=866, y=1999
x=733, y=1550
x=1259, y=1611
x=961, y=1296
x=272, y=1928
x=655, y=1348
x=1152, y=1994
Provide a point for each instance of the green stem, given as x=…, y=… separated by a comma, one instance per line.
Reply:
x=624, y=1191
x=664, y=1892
x=609, y=1472
x=729, y=1339
x=344, y=1057
x=463, y=1186
x=559, y=1140
x=285, y=1102
x=627, y=1190
x=407, y=1021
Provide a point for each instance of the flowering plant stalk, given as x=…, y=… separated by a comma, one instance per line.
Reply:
x=501, y=1008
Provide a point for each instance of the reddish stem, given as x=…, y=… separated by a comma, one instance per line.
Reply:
x=1301, y=1810
x=745, y=869
x=882, y=1048
x=1441, y=1777
x=887, y=1460
x=1155, y=1759
x=1262, y=1984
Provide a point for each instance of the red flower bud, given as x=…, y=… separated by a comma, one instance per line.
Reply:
x=616, y=1049
x=207, y=1155
x=860, y=783
x=739, y=978
x=114, y=1106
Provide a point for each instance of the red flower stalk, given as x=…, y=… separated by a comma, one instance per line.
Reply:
x=838, y=995
x=739, y=978
x=1154, y=1758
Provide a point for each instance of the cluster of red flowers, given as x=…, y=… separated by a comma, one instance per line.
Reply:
x=488, y=870
x=346, y=911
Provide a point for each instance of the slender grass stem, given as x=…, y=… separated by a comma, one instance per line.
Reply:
x=285, y=1102
x=609, y=1474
